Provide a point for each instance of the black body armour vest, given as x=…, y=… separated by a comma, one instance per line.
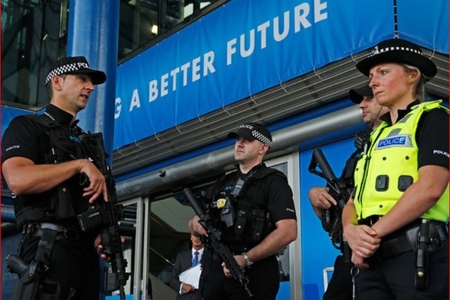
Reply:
x=251, y=219
x=61, y=204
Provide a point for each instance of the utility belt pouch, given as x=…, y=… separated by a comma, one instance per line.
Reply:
x=241, y=219
x=238, y=187
x=61, y=203
x=258, y=221
x=436, y=235
x=227, y=214
x=426, y=238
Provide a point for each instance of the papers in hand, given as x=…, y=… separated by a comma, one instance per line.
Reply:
x=192, y=276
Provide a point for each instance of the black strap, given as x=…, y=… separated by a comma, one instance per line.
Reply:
x=54, y=130
x=45, y=246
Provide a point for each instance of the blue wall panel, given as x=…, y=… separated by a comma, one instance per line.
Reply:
x=317, y=250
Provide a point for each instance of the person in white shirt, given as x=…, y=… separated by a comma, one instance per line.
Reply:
x=184, y=261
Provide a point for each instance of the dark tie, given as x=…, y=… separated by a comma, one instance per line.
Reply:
x=195, y=259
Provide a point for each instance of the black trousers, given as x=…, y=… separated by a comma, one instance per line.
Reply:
x=74, y=265
x=393, y=278
x=340, y=285
x=263, y=276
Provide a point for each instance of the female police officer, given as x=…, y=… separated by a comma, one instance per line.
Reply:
x=395, y=223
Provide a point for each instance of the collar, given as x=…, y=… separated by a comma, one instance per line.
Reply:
x=58, y=115
x=252, y=170
x=401, y=113
x=200, y=251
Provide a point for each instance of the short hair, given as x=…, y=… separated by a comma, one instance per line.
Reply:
x=49, y=87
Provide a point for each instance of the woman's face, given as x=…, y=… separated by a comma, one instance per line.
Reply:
x=391, y=84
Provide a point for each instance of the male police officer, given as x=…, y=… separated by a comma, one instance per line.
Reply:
x=261, y=224
x=43, y=167
x=340, y=285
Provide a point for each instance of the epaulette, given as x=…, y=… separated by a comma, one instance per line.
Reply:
x=263, y=172
x=44, y=121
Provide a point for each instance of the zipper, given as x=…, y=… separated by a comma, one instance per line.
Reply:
x=367, y=159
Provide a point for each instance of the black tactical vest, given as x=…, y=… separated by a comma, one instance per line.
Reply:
x=252, y=221
x=62, y=203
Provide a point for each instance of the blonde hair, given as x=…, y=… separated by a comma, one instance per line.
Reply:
x=420, y=84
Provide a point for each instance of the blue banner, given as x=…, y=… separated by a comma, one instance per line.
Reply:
x=245, y=47
x=9, y=113
x=424, y=23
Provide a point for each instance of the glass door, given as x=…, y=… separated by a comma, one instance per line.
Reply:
x=290, y=259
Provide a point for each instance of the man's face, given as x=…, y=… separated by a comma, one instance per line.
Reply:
x=196, y=242
x=371, y=110
x=74, y=90
x=246, y=151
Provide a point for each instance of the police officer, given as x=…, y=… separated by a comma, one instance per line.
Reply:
x=42, y=168
x=395, y=223
x=340, y=285
x=259, y=223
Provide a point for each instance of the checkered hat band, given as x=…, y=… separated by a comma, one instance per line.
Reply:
x=396, y=48
x=261, y=137
x=64, y=69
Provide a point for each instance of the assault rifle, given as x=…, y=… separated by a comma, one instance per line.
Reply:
x=215, y=237
x=105, y=215
x=338, y=189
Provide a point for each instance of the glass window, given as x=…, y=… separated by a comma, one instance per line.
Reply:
x=34, y=34
x=142, y=21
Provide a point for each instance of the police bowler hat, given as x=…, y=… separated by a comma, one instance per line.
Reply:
x=253, y=131
x=357, y=95
x=398, y=51
x=74, y=65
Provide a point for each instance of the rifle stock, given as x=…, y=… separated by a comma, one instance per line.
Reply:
x=214, y=237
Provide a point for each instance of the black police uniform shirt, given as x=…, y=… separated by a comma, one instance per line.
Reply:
x=279, y=202
x=26, y=138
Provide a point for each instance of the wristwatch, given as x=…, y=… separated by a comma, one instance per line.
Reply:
x=248, y=262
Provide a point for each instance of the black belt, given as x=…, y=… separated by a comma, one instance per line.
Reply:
x=408, y=240
x=394, y=247
x=369, y=221
x=38, y=229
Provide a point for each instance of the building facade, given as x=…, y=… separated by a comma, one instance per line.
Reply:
x=182, y=74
